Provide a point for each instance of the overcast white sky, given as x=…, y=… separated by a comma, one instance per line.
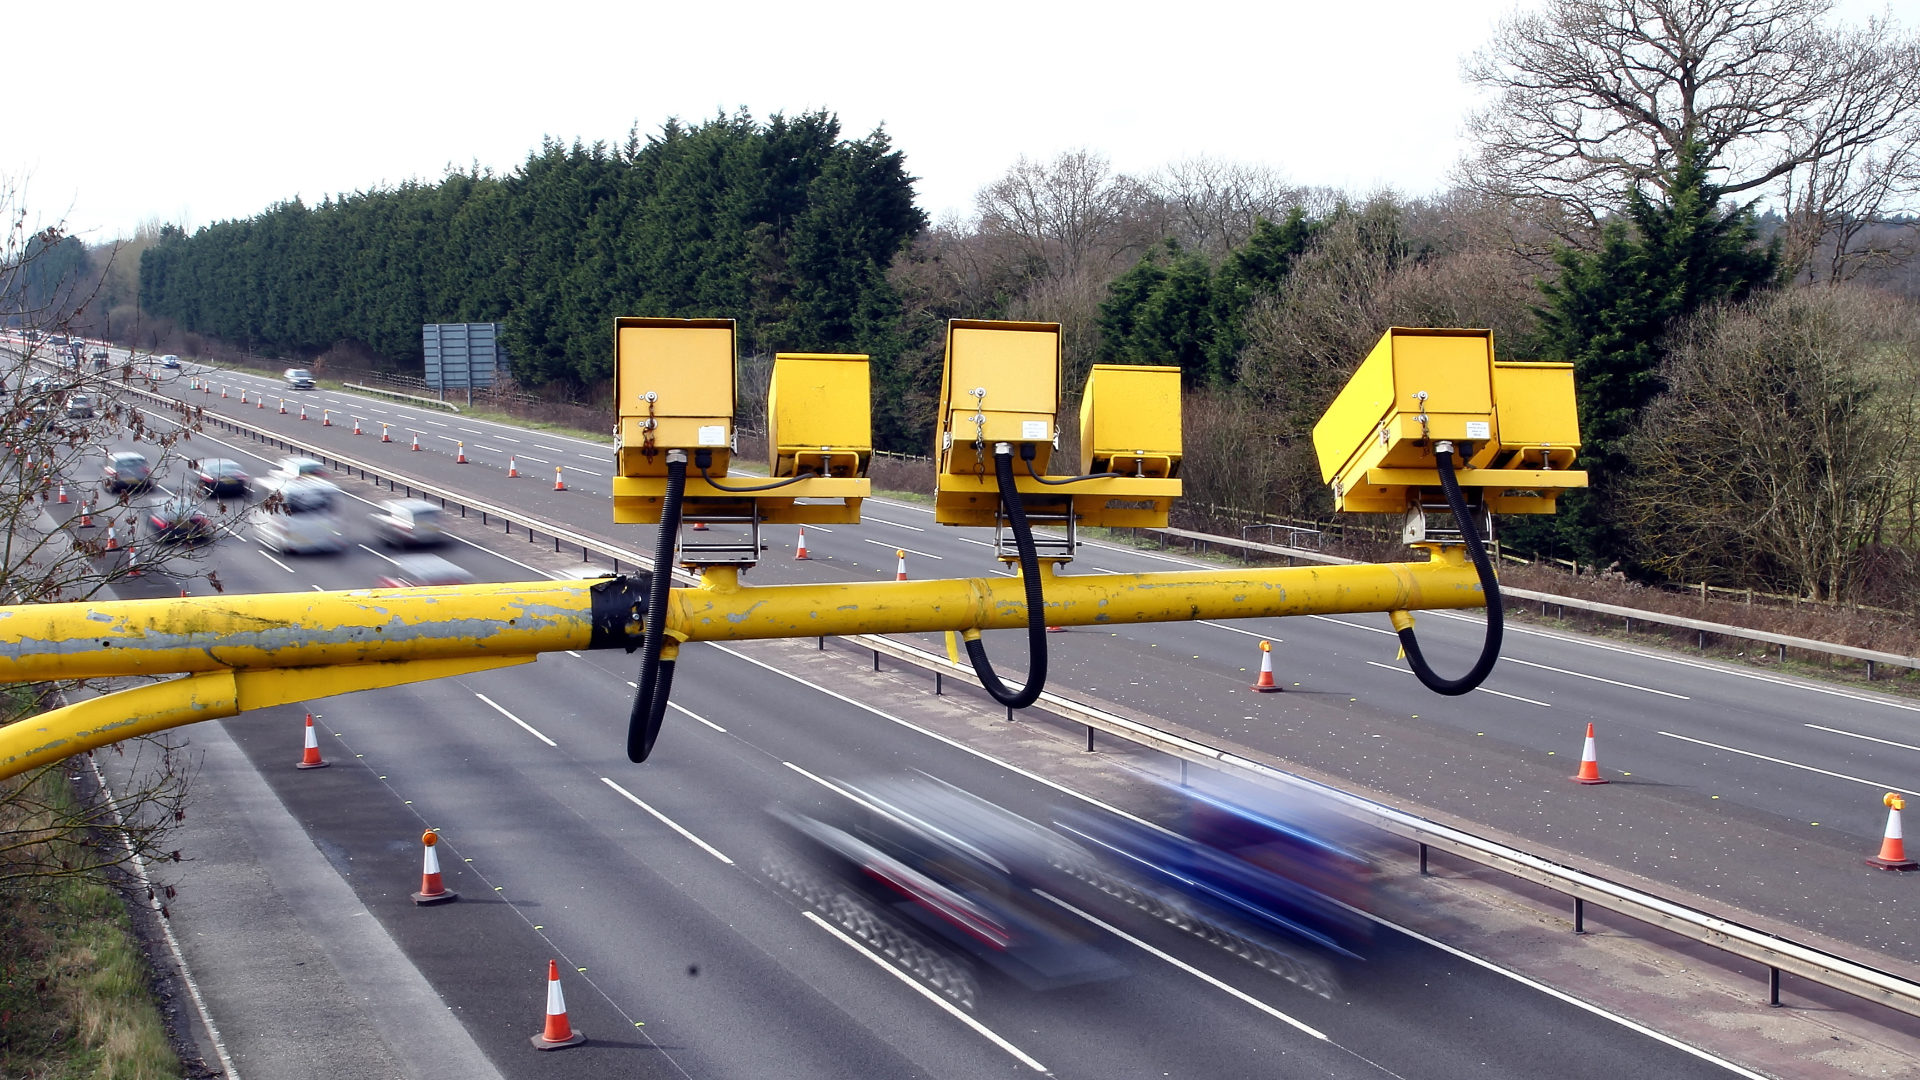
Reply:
x=197, y=112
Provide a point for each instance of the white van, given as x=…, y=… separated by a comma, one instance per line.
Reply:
x=304, y=520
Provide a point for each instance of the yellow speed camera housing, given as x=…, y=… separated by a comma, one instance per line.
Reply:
x=819, y=425
x=1512, y=425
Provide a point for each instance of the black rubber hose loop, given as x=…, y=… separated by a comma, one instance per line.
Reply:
x=1036, y=603
x=1490, y=585
x=656, y=675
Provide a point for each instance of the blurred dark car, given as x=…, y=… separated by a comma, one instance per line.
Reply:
x=80, y=407
x=219, y=476
x=179, y=521
x=953, y=871
x=126, y=471
x=415, y=570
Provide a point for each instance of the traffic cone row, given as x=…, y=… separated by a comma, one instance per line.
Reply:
x=1265, y=684
x=432, y=889
x=310, y=756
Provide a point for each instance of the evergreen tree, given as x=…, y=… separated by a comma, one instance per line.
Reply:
x=1608, y=315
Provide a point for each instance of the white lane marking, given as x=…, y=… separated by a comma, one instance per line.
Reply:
x=1189, y=969
x=971, y=540
x=897, y=547
x=1794, y=765
x=695, y=715
x=1869, y=738
x=1477, y=689
x=954, y=1010
x=531, y=730
x=317, y=588
x=555, y=449
x=334, y=401
x=589, y=472
x=1595, y=678
x=937, y=737
x=488, y=449
x=542, y=461
x=571, y=653
x=667, y=821
x=449, y=438
x=1561, y=995
x=817, y=528
x=895, y=524
x=1237, y=630
x=435, y=423
x=473, y=431
x=276, y=562
x=503, y=438
x=1354, y=625
x=378, y=554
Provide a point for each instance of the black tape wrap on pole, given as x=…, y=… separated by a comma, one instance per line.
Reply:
x=1036, y=603
x=656, y=675
x=1490, y=585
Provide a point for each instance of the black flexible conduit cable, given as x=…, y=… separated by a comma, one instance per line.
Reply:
x=1050, y=482
x=656, y=675
x=805, y=474
x=1036, y=604
x=1496, y=622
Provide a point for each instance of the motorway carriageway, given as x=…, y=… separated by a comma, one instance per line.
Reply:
x=1756, y=793
x=682, y=960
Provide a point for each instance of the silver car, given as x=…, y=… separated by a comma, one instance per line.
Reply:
x=409, y=523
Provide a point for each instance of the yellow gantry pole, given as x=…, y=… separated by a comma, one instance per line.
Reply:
x=240, y=652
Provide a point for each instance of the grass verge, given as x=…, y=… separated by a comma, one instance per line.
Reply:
x=76, y=991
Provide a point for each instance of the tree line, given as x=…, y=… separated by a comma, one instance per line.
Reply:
x=1606, y=222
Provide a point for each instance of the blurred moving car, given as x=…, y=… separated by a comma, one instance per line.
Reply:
x=101, y=358
x=415, y=570
x=297, y=378
x=951, y=871
x=179, y=521
x=220, y=476
x=303, y=519
x=1280, y=875
x=409, y=523
x=295, y=468
x=126, y=470
x=170, y=361
x=80, y=407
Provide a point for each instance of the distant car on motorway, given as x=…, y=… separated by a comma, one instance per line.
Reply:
x=101, y=358
x=297, y=378
x=304, y=519
x=416, y=570
x=409, y=523
x=80, y=407
x=219, y=476
x=179, y=521
x=126, y=471
x=294, y=468
x=170, y=361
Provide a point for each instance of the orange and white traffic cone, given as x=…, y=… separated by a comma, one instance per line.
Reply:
x=86, y=515
x=1589, y=763
x=557, y=1033
x=1056, y=629
x=558, y=483
x=260, y=402
x=356, y=425
x=385, y=436
x=63, y=493
x=303, y=410
x=432, y=890
x=326, y=417
x=1265, y=684
x=699, y=526
x=513, y=467
x=113, y=542
x=1893, y=847
x=459, y=453
x=243, y=395
x=283, y=406
x=900, y=574
x=223, y=393
x=133, y=562
x=800, y=549
x=309, y=757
